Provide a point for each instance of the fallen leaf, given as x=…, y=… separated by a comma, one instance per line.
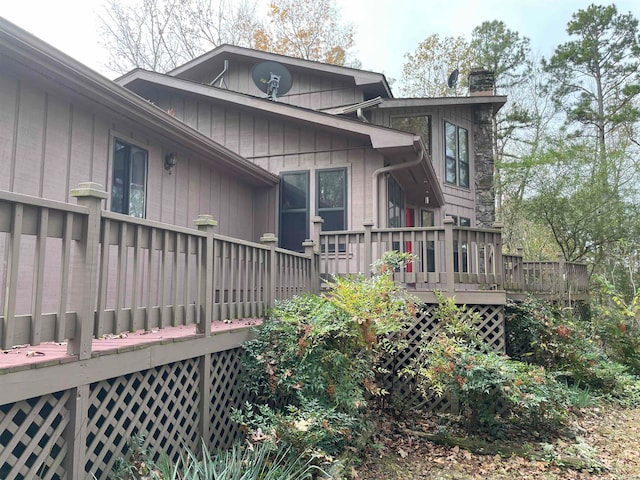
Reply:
x=33, y=353
x=402, y=453
x=20, y=346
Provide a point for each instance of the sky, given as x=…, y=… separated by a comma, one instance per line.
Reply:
x=385, y=29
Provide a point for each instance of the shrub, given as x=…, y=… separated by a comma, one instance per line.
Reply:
x=541, y=334
x=491, y=388
x=616, y=323
x=316, y=361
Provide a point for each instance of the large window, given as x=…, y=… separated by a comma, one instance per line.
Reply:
x=294, y=210
x=395, y=201
x=417, y=124
x=456, y=141
x=331, y=198
x=129, y=187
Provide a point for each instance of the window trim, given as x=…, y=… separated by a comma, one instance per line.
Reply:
x=401, y=205
x=128, y=143
x=459, y=162
x=345, y=192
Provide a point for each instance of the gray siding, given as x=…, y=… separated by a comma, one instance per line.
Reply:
x=459, y=201
x=50, y=141
x=308, y=90
x=280, y=146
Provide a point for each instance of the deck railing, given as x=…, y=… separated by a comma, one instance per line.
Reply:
x=74, y=272
x=544, y=277
x=446, y=258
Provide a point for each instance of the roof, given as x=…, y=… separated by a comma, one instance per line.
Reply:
x=497, y=101
x=373, y=84
x=37, y=56
x=381, y=138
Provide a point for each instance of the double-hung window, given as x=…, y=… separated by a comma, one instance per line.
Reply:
x=456, y=163
x=395, y=200
x=331, y=198
x=129, y=184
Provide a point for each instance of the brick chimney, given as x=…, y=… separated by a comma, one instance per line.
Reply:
x=481, y=82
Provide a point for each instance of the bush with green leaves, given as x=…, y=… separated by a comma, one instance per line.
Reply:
x=490, y=387
x=616, y=324
x=545, y=335
x=316, y=362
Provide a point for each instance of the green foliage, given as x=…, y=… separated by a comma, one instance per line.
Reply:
x=491, y=388
x=616, y=322
x=316, y=361
x=541, y=334
x=249, y=462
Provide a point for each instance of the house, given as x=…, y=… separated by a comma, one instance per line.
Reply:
x=118, y=317
x=343, y=147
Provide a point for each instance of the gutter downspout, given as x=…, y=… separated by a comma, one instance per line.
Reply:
x=361, y=116
x=391, y=168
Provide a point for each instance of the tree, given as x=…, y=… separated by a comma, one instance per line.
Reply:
x=501, y=50
x=426, y=71
x=596, y=75
x=308, y=29
x=159, y=35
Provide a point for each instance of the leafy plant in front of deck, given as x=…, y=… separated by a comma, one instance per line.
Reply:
x=317, y=362
x=491, y=388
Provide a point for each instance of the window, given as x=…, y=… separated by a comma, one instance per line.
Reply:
x=128, y=190
x=456, y=141
x=395, y=200
x=294, y=210
x=417, y=124
x=331, y=198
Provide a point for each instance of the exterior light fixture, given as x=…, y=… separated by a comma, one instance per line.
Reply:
x=170, y=160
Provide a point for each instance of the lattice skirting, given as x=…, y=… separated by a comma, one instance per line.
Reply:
x=165, y=404
x=491, y=329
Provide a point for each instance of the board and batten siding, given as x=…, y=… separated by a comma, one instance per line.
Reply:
x=313, y=91
x=458, y=201
x=284, y=146
x=50, y=141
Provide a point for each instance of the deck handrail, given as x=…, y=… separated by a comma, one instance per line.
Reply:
x=107, y=273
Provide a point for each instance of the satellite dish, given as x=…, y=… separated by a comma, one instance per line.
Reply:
x=453, y=78
x=272, y=78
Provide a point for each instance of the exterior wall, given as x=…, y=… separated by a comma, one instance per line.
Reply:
x=50, y=142
x=284, y=146
x=308, y=90
x=458, y=201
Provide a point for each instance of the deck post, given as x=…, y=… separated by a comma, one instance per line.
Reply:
x=90, y=195
x=76, y=432
x=270, y=240
x=448, y=254
x=312, y=281
x=368, y=247
x=317, y=228
x=562, y=275
x=499, y=263
x=206, y=224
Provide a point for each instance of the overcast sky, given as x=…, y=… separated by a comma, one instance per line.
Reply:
x=385, y=29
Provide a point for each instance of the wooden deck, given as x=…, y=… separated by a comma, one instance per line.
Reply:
x=24, y=357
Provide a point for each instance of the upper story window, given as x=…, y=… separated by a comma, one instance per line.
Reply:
x=331, y=201
x=395, y=201
x=416, y=124
x=456, y=163
x=129, y=184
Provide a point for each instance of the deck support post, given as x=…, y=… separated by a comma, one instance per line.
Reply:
x=88, y=195
x=204, y=387
x=270, y=240
x=368, y=247
x=317, y=228
x=76, y=432
x=448, y=255
x=313, y=284
x=206, y=224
